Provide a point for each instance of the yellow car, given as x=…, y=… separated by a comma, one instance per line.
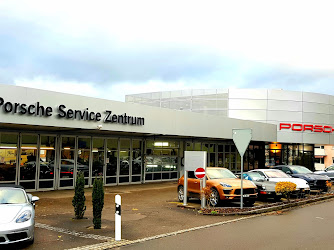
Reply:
x=225, y=186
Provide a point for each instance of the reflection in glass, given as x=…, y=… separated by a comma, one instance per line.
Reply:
x=83, y=156
x=161, y=159
x=67, y=161
x=28, y=157
x=47, y=155
x=8, y=154
x=136, y=161
x=124, y=157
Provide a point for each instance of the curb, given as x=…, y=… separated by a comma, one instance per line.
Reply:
x=274, y=208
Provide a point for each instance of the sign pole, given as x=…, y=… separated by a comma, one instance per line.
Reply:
x=242, y=187
x=202, y=193
x=185, y=188
x=241, y=139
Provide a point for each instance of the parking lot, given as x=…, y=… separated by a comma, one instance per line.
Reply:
x=147, y=210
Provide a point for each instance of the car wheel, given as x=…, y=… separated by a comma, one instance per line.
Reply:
x=180, y=193
x=214, y=198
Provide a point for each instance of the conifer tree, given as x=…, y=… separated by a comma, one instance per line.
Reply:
x=98, y=202
x=79, y=198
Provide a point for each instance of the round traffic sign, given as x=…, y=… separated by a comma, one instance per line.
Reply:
x=200, y=173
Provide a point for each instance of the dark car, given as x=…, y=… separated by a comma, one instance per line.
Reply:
x=265, y=189
x=316, y=181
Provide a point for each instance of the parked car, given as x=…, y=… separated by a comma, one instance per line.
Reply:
x=67, y=167
x=316, y=181
x=265, y=189
x=17, y=214
x=277, y=175
x=329, y=171
x=28, y=171
x=224, y=185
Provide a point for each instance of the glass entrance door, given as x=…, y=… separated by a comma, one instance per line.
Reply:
x=66, y=166
x=8, y=157
x=46, y=173
x=29, y=159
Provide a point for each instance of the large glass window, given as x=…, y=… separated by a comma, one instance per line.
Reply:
x=67, y=161
x=47, y=157
x=112, y=159
x=28, y=161
x=98, y=157
x=136, y=160
x=124, y=161
x=8, y=156
x=83, y=157
x=161, y=160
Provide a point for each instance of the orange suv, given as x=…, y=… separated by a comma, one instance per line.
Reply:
x=224, y=185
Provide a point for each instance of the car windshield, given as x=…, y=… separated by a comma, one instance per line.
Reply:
x=276, y=174
x=12, y=196
x=220, y=173
x=253, y=176
x=300, y=170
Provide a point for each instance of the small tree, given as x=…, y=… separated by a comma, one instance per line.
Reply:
x=79, y=199
x=98, y=201
x=285, y=188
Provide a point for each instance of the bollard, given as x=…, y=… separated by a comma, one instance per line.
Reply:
x=118, y=226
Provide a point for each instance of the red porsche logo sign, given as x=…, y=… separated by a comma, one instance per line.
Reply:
x=306, y=127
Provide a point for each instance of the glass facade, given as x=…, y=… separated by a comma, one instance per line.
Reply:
x=161, y=160
x=290, y=154
x=47, y=162
x=226, y=155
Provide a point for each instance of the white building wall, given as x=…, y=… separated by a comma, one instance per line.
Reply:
x=271, y=106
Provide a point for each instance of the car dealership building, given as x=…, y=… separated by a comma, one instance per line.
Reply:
x=304, y=120
x=47, y=137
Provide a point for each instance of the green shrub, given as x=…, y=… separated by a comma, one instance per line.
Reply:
x=79, y=199
x=98, y=201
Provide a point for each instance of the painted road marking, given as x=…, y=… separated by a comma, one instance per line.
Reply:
x=75, y=233
x=114, y=244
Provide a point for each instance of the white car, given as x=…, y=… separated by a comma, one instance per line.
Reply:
x=276, y=175
x=17, y=214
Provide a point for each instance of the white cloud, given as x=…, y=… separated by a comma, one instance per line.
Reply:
x=114, y=92
x=112, y=48
x=52, y=84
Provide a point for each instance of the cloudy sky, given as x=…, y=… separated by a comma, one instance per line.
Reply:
x=111, y=48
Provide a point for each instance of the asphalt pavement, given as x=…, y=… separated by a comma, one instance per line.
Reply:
x=148, y=211
x=308, y=228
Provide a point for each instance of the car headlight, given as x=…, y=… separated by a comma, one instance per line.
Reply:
x=25, y=216
x=225, y=184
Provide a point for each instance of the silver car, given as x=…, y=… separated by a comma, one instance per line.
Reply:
x=17, y=214
x=329, y=171
x=265, y=189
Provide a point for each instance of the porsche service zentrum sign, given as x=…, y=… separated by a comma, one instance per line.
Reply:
x=306, y=127
x=63, y=112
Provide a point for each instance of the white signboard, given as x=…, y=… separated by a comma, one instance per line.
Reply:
x=194, y=160
x=241, y=138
